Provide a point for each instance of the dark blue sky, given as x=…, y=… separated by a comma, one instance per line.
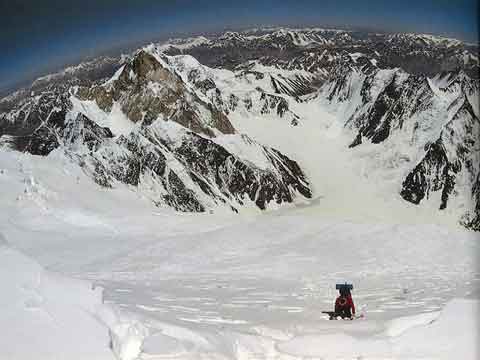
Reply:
x=39, y=36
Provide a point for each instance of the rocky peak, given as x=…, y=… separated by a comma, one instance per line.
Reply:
x=148, y=88
x=452, y=153
x=144, y=64
x=145, y=68
x=412, y=96
x=176, y=156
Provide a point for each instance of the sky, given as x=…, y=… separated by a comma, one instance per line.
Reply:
x=41, y=36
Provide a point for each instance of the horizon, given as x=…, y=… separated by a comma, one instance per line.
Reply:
x=126, y=49
x=43, y=38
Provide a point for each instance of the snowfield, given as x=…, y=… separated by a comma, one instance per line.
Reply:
x=253, y=289
x=95, y=273
x=222, y=286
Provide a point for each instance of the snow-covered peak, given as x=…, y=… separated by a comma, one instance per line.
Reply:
x=425, y=39
x=188, y=43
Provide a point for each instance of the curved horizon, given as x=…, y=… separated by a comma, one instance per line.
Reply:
x=44, y=38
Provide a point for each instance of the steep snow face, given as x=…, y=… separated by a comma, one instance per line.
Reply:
x=420, y=132
x=451, y=164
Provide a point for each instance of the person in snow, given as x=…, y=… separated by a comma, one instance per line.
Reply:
x=344, y=305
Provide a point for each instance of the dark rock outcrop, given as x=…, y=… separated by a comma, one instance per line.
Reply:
x=455, y=149
x=146, y=89
x=172, y=157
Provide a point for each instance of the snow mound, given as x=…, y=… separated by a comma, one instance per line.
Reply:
x=51, y=314
x=58, y=317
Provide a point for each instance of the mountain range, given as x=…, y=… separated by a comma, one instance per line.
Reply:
x=164, y=120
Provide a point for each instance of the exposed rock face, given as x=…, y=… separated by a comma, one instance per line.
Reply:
x=35, y=123
x=272, y=102
x=192, y=172
x=80, y=131
x=172, y=157
x=455, y=149
x=395, y=98
x=415, y=117
x=146, y=89
x=471, y=220
x=321, y=50
x=411, y=100
x=237, y=92
x=433, y=173
x=41, y=124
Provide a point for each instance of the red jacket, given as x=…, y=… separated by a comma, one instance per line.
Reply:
x=345, y=303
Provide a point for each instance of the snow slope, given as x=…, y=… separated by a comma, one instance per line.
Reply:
x=224, y=286
x=48, y=316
